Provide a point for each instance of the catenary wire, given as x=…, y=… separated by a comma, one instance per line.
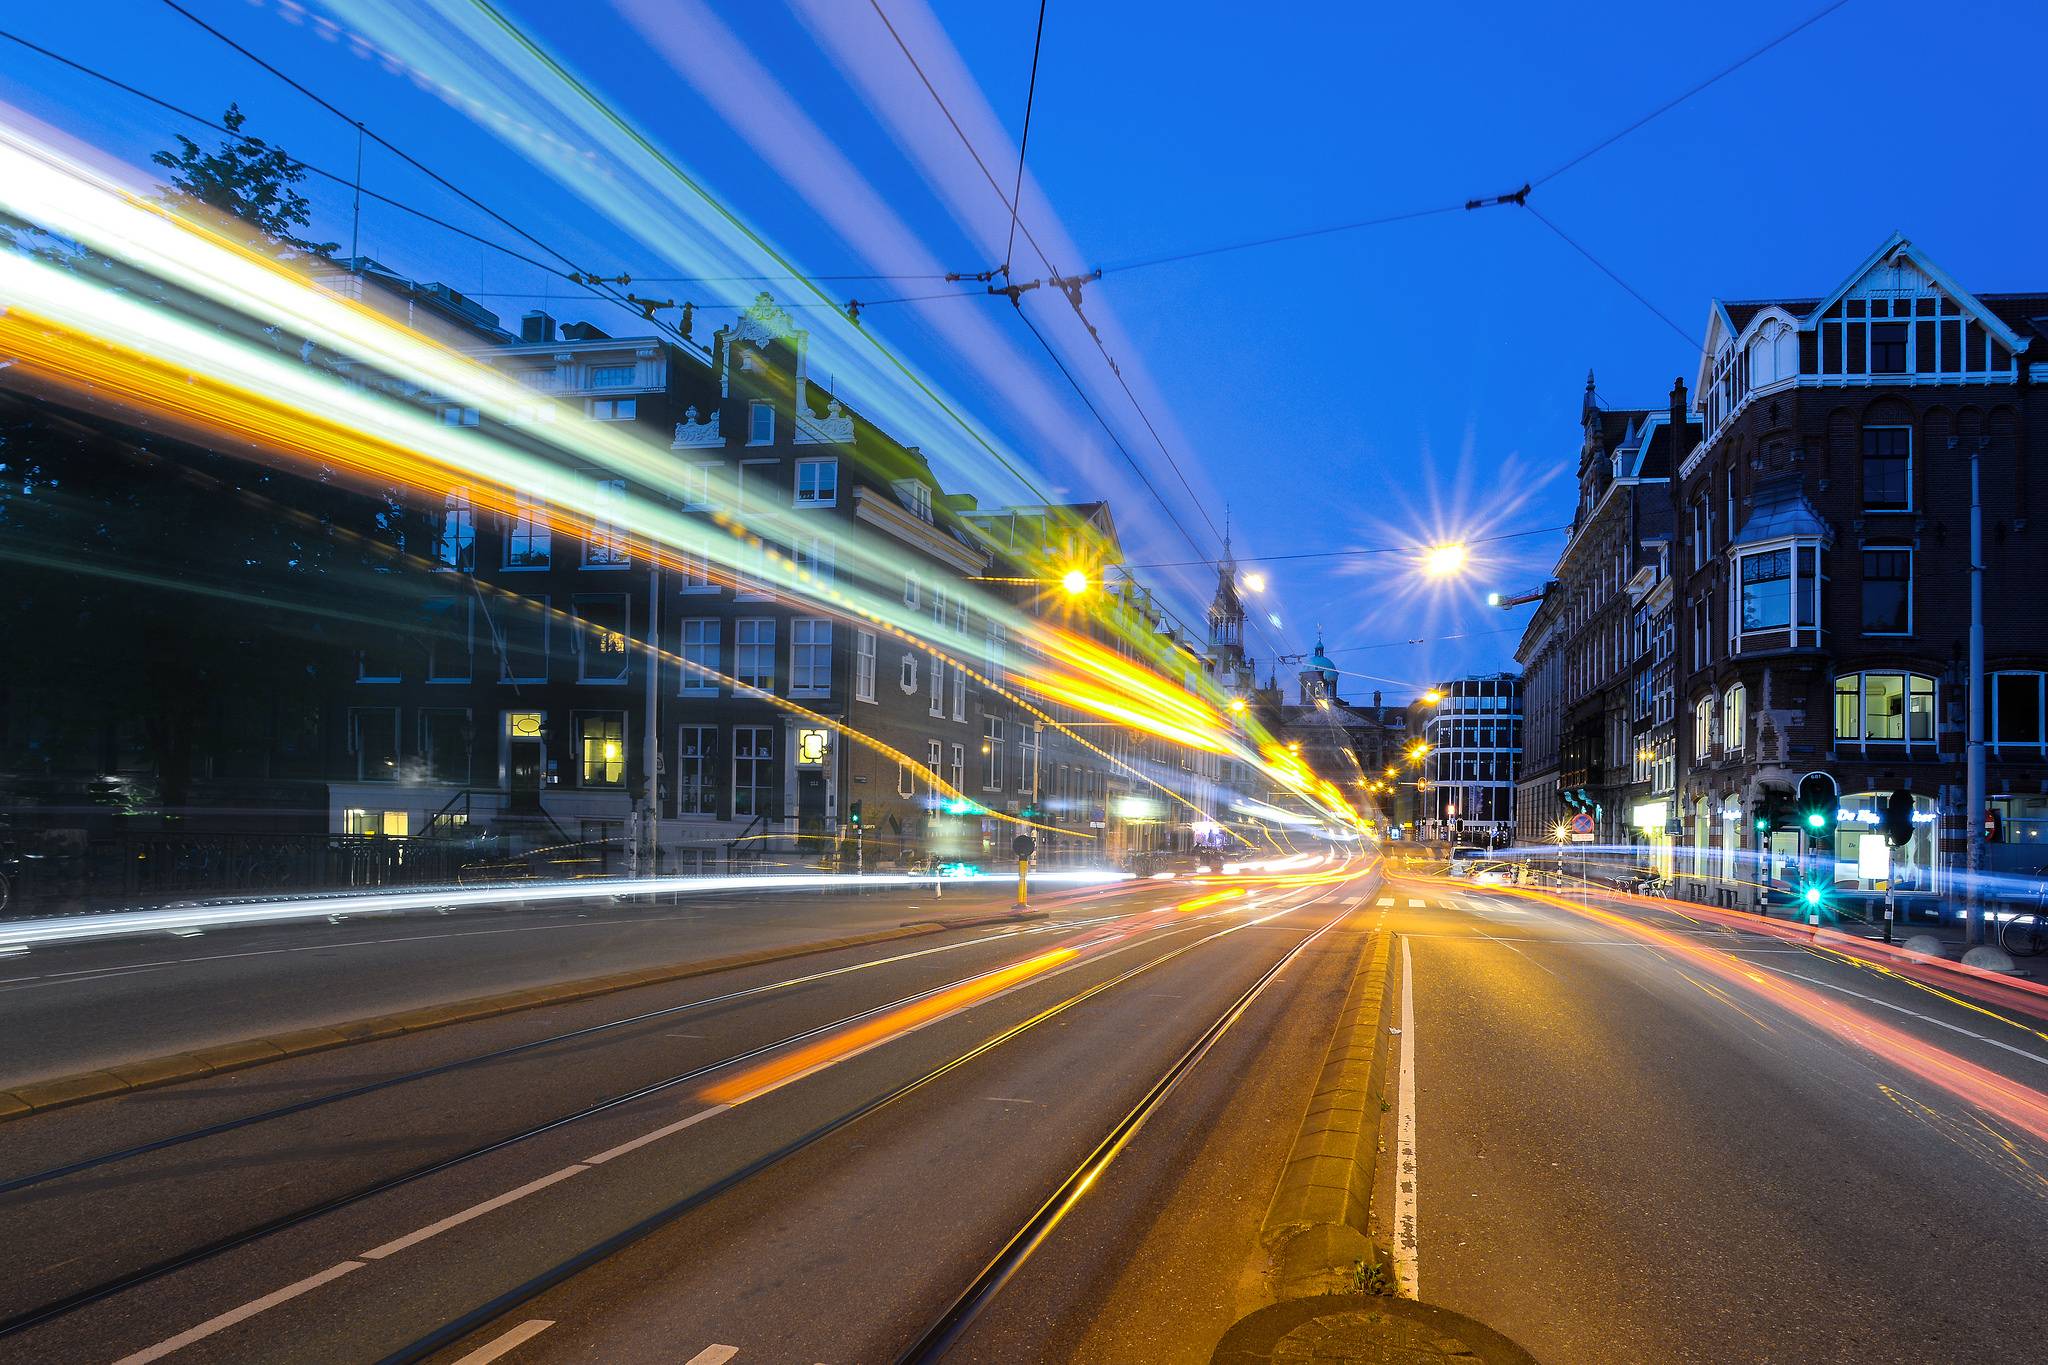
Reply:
x=1608, y=271
x=1024, y=140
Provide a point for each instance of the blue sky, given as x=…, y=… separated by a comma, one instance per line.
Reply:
x=1368, y=389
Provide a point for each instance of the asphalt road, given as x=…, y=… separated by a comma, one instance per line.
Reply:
x=77, y=1007
x=1639, y=1136
x=822, y=1153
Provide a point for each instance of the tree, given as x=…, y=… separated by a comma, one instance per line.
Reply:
x=247, y=179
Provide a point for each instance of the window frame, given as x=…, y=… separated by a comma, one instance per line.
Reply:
x=527, y=523
x=703, y=762
x=759, y=762
x=586, y=629
x=1995, y=713
x=756, y=411
x=1907, y=743
x=1865, y=456
x=709, y=653
x=582, y=720
x=814, y=497
x=816, y=665
x=1734, y=719
x=764, y=650
x=1864, y=589
x=605, y=543
x=864, y=653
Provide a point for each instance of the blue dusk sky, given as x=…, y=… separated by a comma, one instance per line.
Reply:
x=1375, y=389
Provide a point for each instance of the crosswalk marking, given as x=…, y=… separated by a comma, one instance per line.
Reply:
x=1414, y=904
x=1386, y=900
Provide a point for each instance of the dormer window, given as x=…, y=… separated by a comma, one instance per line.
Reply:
x=760, y=424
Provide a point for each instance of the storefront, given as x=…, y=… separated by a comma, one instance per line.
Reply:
x=1862, y=856
x=1650, y=822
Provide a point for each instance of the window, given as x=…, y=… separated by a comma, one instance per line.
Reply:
x=1027, y=759
x=448, y=630
x=1887, y=348
x=1702, y=636
x=817, y=483
x=906, y=677
x=1912, y=866
x=995, y=652
x=700, y=648
x=959, y=770
x=614, y=409
x=528, y=542
x=379, y=663
x=455, y=545
x=601, y=638
x=611, y=376
x=1888, y=469
x=938, y=689
x=992, y=754
x=695, y=574
x=750, y=573
x=1702, y=533
x=959, y=692
x=697, y=481
x=1703, y=727
x=818, y=557
x=753, y=770
x=606, y=547
x=760, y=424
x=938, y=605
x=810, y=657
x=1770, y=583
x=373, y=734
x=1888, y=591
x=753, y=655
x=916, y=496
x=601, y=748
x=457, y=416
x=909, y=590
x=1734, y=718
x=524, y=656
x=2016, y=719
x=906, y=780
x=696, y=778
x=395, y=824
x=864, y=665
x=1884, y=708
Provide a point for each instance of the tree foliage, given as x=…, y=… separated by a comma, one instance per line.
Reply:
x=246, y=179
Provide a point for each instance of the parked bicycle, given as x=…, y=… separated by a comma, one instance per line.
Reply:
x=2026, y=932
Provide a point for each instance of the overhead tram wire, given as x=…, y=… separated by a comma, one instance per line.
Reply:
x=1349, y=554
x=1024, y=140
x=1608, y=271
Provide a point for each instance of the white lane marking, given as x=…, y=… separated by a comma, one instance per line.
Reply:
x=1414, y=904
x=1384, y=900
x=635, y=1144
x=235, y=1315
x=1923, y=1018
x=1406, y=1275
x=518, y=1336
x=419, y=1235
x=713, y=1355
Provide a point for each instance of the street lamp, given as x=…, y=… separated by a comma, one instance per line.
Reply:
x=1442, y=561
x=1075, y=582
x=1433, y=697
x=1255, y=581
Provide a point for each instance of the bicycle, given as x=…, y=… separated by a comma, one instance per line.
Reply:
x=2024, y=935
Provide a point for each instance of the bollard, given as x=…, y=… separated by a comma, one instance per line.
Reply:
x=1023, y=870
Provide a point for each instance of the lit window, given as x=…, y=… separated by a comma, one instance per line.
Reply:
x=1734, y=718
x=810, y=657
x=601, y=748
x=614, y=409
x=1703, y=727
x=1884, y=708
x=817, y=483
x=760, y=424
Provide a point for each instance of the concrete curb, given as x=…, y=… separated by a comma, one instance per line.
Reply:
x=979, y=921
x=1315, y=1228
x=59, y=1092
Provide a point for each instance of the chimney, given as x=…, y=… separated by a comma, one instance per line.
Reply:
x=536, y=326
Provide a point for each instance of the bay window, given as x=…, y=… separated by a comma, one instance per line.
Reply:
x=1777, y=591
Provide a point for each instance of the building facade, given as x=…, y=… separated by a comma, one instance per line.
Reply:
x=1474, y=739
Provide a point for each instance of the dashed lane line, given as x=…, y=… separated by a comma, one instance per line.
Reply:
x=713, y=1355
x=453, y=1220
x=517, y=1337
x=1407, y=1276
x=235, y=1315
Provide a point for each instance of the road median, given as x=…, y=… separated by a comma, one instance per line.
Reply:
x=217, y=1059
x=1315, y=1230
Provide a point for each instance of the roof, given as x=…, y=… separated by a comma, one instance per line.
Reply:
x=1779, y=510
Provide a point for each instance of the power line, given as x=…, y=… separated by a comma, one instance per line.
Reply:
x=1024, y=140
x=1428, y=640
x=1677, y=100
x=1144, y=262
x=1605, y=269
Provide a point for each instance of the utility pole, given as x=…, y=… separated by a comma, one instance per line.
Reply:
x=1973, y=790
x=650, y=738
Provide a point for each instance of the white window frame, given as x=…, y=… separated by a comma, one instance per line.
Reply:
x=864, y=665
x=614, y=409
x=810, y=657
x=756, y=649
x=906, y=675
x=528, y=524
x=960, y=692
x=754, y=762
x=455, y=541
x=910, y=590
x=1862, y=741
x=817, y=556
x=697, y=485
x=704, y=757
x=936, y=706
x=584, y=672
x=695, y=575
x=1703, y=727
x=1798, y=585
x=820, y=492
x=959, y=768
x=1863, y=496
x=704, y=650
x=1734, y=718
x=627, y=375
x=992, y=754
x=934, y=755
x=756, y=411
x=906, y=780
x=606, y=545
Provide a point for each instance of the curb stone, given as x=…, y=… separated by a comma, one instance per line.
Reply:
x=1372, y=1331
x=1316, y=1227
x=59, y=1092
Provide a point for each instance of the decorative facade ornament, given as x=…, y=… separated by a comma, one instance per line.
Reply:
x=764, y=322
x=691, y=433
x=834, y=428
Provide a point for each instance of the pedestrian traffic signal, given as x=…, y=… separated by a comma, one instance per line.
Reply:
x=853, y=812
x=1897, y=821
x=1819, y=803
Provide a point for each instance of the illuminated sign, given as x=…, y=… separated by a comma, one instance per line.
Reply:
x=812, y=746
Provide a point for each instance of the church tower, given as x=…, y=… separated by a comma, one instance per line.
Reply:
x=1226, y=615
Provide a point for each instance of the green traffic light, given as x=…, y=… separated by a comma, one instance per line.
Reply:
x=1813, y=895
x=1816, y=820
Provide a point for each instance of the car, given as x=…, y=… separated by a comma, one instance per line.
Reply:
x=1463, y=860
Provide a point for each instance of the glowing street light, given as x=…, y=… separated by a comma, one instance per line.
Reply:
x=1075, y=582
x=1237, y=704
x=1432, y=696
x=1255, y=581
x=1442, y=561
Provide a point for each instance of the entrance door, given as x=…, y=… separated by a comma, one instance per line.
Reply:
x=810, y=800
x=525, y=764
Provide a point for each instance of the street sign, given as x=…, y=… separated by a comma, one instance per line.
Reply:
x=1582, y=823
x=1024, y=846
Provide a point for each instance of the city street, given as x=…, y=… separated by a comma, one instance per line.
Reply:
x=1647, y=1138
x=767, y=1224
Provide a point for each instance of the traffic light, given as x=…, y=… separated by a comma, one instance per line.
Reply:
x=853, y=812
x=1819, y=803
x=1897, y=821
x=1760, y=816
